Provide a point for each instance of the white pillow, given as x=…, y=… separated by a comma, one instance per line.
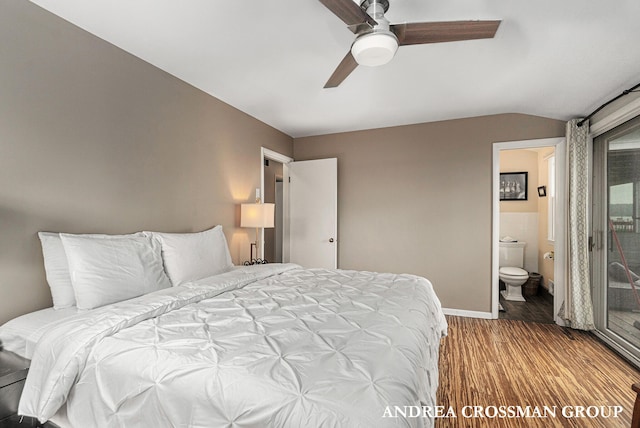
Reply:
x=57, y=270
x=192, y=256
x=56, y=267
x=110, y=269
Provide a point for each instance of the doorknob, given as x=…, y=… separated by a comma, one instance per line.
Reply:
x=331, y=240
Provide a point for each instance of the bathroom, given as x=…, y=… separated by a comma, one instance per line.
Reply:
x=526, y=195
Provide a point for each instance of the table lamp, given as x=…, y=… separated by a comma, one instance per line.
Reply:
x=259, y=216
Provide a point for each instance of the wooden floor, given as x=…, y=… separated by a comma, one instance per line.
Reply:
x=538, y=308
x=514, y=363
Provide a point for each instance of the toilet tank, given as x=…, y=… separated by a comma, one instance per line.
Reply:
x=512, y=254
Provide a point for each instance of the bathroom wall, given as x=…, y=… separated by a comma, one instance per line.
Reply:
x=519, y=219
x=523, y=227
x=521, y=160
x=544, y=245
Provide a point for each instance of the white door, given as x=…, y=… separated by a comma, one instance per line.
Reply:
x=313, y=213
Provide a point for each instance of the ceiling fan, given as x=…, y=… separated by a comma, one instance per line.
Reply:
x=377, y=40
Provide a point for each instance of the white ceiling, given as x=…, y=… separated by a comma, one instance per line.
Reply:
x=270, y=59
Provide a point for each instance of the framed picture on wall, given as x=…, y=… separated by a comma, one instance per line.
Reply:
x=513, y=186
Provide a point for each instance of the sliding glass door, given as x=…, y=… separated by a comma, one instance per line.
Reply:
x=616, y=237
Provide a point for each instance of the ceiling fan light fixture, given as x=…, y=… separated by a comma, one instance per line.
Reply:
x=374, y=49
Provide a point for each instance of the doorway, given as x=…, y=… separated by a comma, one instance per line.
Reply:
x=308, y=232
x=272, y=192
x=274, y=187
x=544, y=245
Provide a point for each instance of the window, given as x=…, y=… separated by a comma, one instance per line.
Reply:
x=621, y=198
x=551, y=195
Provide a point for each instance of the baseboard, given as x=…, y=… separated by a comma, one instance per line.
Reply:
x=467, y=314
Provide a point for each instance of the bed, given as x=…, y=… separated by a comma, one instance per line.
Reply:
x=22, y=334
x=271, y=345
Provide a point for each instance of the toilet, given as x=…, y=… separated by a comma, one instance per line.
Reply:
x=511, y=269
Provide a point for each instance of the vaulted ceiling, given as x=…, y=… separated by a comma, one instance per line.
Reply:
x=271, y=59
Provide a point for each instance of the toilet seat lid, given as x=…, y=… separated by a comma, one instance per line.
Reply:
x=507, y=270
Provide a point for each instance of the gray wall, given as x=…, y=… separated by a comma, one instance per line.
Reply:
x=93, y=139
x=417, y=198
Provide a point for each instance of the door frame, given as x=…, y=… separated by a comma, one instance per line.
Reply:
x=267, y=154
x=560, y=220
x=599, y=125
x=600, y=237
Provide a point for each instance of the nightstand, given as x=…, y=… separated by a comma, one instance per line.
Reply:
x=13, y=372
x=15, y=421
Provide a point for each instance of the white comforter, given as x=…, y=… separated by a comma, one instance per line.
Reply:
x=272, y=345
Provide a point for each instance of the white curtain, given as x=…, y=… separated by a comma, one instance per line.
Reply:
x=577, y=309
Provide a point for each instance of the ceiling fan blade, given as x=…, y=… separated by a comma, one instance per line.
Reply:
x=418, y=33
x=344, y=69
x=349, y=12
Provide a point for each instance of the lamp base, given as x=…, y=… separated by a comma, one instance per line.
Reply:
x=256, y=260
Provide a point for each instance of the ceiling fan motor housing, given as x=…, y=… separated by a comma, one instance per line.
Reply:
x=378, y=45
x=367, y=3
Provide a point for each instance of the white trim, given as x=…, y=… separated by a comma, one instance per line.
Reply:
x=468, y=314
x=284, y=160
x=495, y=230
x=560, y=232
x=559, y=244
x=275, y=156
x=624, y=352
x=616, y=118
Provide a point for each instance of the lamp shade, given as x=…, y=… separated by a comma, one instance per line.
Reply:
x=375, y=48
x=257, y=215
